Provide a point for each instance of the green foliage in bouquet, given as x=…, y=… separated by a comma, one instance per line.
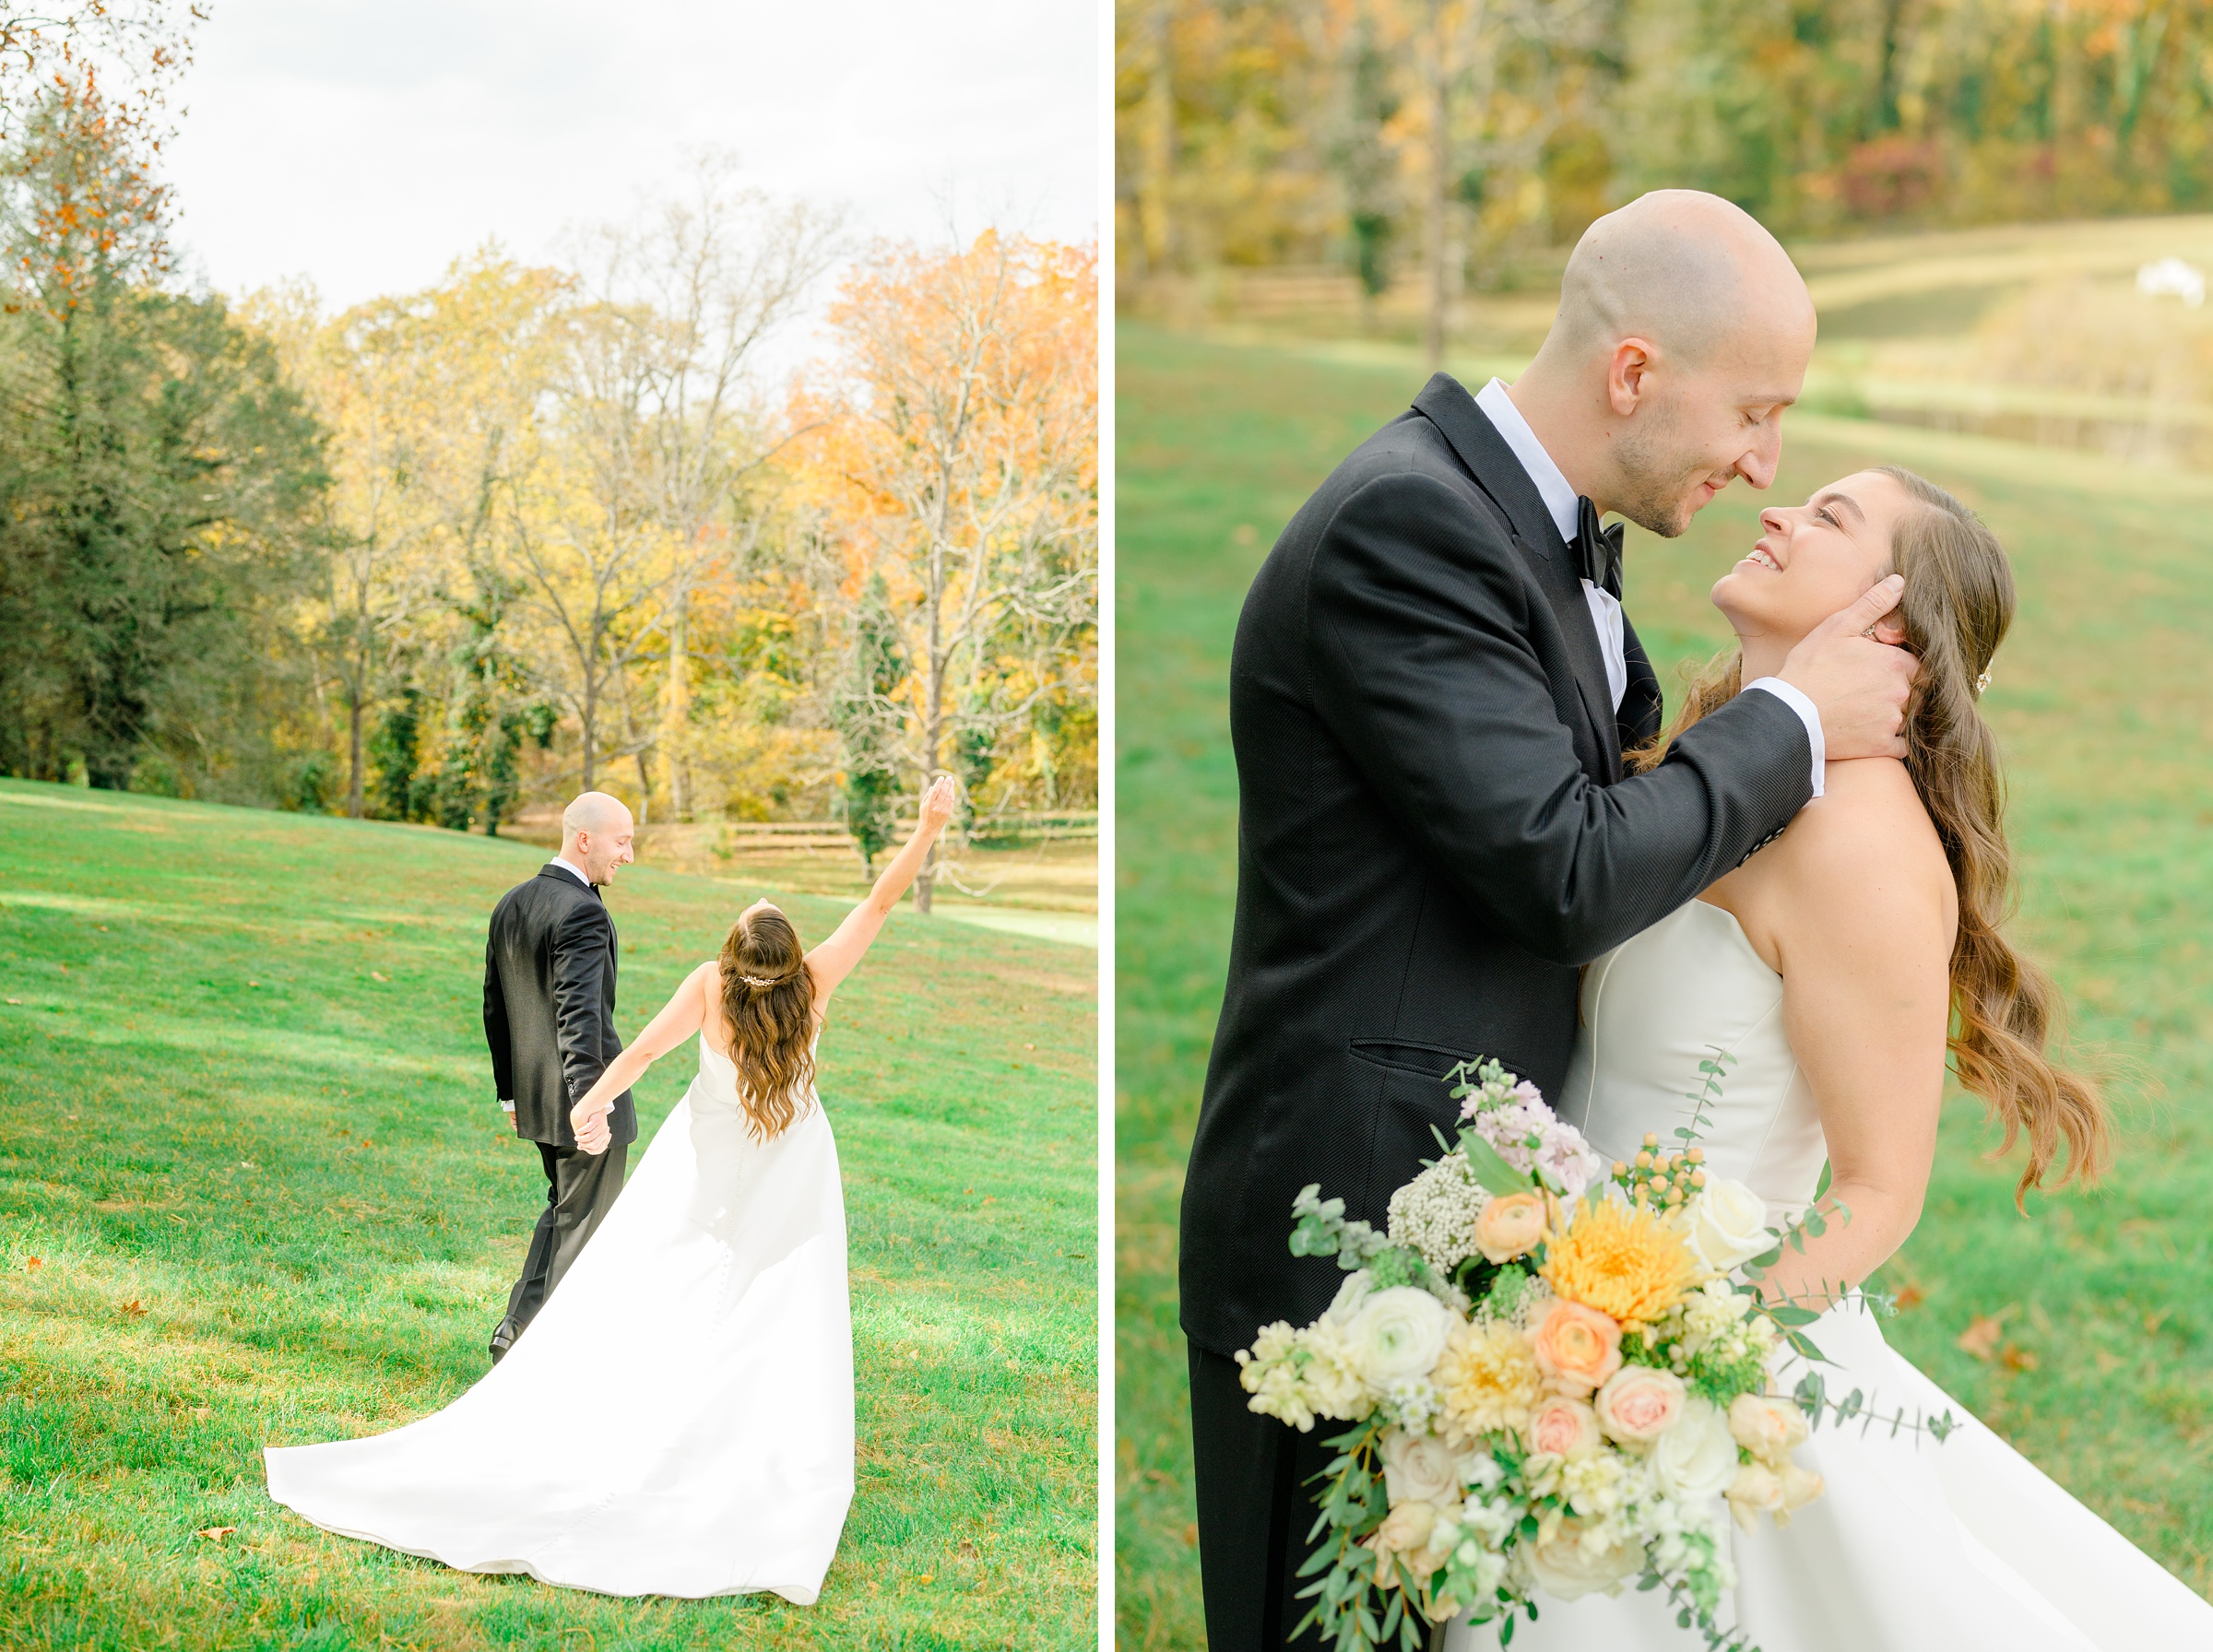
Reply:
x=1492, y=1351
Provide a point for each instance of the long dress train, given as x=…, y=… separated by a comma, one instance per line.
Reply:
x=677, y=1420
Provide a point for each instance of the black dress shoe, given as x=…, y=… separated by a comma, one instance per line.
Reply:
x=501, y=1340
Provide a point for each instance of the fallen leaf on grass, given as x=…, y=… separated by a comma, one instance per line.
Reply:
x=927, y=1578
x=134, y=1308
x=14, y=1001
x=216, y=1533
x=1981, y=1337
x=202, y=1412
x=1191, y=1535
x=968, y=1551
x=1910, y=1297
x=2017, y=1359
x=379, y=975
x=32, y=1263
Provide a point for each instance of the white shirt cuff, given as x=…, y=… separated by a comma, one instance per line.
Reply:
x=509, y=1107
x=1796, y=699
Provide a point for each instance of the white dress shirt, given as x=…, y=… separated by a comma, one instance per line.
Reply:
x=1560, y=503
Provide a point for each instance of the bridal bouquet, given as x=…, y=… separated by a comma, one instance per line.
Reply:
x=1558, y=1372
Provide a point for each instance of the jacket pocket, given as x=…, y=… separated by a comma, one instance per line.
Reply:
x=1407, y=1055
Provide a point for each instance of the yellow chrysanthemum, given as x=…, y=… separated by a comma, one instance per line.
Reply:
x=1632, y=1264
x=1488, y=1378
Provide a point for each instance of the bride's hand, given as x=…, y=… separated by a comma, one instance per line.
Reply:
x=591, y=1128
x=937, y=805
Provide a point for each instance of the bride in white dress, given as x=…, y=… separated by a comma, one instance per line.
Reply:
x=677, y=1420
x=1833, y=967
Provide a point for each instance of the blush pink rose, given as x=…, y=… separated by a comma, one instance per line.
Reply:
x=1639, y=1404
x=1563, y=1427
x=1577, y=1347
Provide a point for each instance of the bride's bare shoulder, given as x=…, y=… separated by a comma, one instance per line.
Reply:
x=1868, y=837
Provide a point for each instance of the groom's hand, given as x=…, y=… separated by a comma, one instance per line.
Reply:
x=1851, y=668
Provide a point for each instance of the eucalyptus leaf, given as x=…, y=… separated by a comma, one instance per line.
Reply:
x=1496, y=1174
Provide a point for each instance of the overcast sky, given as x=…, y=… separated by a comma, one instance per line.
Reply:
x=366, y=142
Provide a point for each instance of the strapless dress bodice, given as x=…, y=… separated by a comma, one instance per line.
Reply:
x=1656, y=1006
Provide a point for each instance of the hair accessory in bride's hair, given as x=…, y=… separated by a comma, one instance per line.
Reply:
x=765, y=981
x=1983, y=682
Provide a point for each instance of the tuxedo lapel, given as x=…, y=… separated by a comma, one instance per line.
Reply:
x=1447, y=404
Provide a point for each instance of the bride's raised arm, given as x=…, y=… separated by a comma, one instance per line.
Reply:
x=833, y=961
x=679, y=1018
x=1863, y=922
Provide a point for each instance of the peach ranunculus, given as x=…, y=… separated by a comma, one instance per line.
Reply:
x=1639, y=1404
x=1577, y=1347
x=1800, y=1487
x=1404, y=1536
x=1510, y=1226
x=1563, y=1427
x=1767, y=1427
x=1755, y=1490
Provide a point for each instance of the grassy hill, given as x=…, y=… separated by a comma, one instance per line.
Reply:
x=2089, y=1324
x=255, y=1189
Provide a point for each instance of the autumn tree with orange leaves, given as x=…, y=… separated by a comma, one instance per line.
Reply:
x=968, y=452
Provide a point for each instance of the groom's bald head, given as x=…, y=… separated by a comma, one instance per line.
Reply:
x=595, y=835
x=1686, y=269
x=1683, y=333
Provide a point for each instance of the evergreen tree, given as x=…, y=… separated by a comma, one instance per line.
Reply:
x=159, y=478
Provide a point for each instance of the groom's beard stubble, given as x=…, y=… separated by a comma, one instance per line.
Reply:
x=1658, y=485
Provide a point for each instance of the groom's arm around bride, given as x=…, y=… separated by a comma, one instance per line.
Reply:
x=1430, y=692
x=550, y=962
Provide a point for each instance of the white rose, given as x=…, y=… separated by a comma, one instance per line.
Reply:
x=1398, y=1333
x=1564, y=1567
x=1349, y=1297
x=1729, y=1225
x=1695, y=1460
x=1420, y=1467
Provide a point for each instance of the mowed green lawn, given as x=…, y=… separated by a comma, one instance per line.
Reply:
x=2096, y=1365
x=254, y=1188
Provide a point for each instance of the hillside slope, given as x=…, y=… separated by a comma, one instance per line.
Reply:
x=254, y=1188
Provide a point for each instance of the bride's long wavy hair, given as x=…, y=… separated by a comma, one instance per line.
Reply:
x=768, y=1004
x=1958, y=604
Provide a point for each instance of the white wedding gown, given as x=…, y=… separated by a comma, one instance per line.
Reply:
x=677, y=1420
x=1914, y=1546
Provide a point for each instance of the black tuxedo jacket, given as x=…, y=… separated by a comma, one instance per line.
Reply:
x=1434, y=835
x=549, y=1004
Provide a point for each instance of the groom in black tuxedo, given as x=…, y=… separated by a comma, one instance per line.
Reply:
x=1431, y=691
x=550, y=1019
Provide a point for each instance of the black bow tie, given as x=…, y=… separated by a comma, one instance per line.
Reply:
x=1598, y=550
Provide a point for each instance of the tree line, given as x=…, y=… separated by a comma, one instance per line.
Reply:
x=537, y=528
x=1435, y=141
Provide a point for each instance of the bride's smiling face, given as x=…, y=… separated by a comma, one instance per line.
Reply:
x=1814, y=559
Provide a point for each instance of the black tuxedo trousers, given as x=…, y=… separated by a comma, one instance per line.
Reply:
x=549, y=960
x=1435, y=833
